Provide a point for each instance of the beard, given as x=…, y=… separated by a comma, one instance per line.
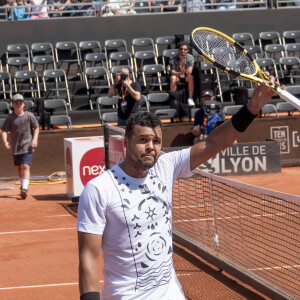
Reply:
x=146, y=163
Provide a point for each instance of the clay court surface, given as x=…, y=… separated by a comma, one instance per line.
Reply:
x=38, y=249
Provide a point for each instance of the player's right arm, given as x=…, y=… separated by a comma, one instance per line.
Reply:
x=89, y=246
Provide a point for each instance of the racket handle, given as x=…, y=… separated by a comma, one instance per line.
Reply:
x=289, y=98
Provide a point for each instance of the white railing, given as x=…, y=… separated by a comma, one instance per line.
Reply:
x=93, y=9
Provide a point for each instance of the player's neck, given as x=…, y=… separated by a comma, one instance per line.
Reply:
x=133, y=170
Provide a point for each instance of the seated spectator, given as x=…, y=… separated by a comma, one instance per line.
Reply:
x=110, y=8
x=126, y=7
x=156, y=6
x=85, y=8
x=193, y=5
x=39, y=9
x=61, y=6
x=208, y=115
x=21, y=9
x=142, y=7
x=224, y=4
x=171, y=6
x=181, y=68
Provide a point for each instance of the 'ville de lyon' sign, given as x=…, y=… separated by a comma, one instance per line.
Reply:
x=245, y=159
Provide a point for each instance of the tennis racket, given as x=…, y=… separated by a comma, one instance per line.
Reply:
x=226, y=54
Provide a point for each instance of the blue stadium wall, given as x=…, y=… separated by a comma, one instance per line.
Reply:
x=128, y=27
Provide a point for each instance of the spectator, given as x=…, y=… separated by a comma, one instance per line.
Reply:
x=224, y=4
x=21, y=10
x=129, y=93
x=110, y=8
x=39, y=9
x=193, y=5
x=85, y=8
x=61, y=8
x=205, y=118
x=126, y=7
x=142, y=7
x=171, y=6
x=181, y=68
x=24, y=130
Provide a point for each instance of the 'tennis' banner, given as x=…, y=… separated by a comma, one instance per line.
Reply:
x=245, y=159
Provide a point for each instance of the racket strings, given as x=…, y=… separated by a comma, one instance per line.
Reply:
x=223, y=53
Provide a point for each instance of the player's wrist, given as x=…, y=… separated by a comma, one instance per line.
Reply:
x=242, y=119
x=90, y=296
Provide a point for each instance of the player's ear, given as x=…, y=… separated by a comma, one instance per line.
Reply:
x=125, y=142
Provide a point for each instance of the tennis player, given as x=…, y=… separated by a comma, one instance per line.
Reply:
x=126, y=213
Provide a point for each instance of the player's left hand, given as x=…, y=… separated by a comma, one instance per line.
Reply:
x=262, y=94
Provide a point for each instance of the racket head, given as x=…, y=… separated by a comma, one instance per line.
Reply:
x=224, y=53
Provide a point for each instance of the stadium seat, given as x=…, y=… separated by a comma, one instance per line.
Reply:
x=27, y=83
x=95, y=60
x=275, y=51
x=120, y=59
x=153, y=77
x=290, y=69
x=268, y=37
x=41, y=63
x=4, y=108
x=67, y=55
x=2, y=120
x=86, y=47
x=17, y=50
x=166, y=55
x=141, y=58
x=159, y=104
x=41, y=49
x=55, y=83
x=230, y=110
x=255, y=51
x=269, y=109
x=164, y=42
x=244, y=38
x=116, y=45
x=53, y=115
x=107, y=109
x=96, y=79
x=20, y=63
x=290, y=37
x=285, y=107
x=6, y=85
x=268, y=64
x=142, y=44
x=292, y=49
x=32, y=107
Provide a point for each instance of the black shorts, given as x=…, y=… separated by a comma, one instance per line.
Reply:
x=23, y=159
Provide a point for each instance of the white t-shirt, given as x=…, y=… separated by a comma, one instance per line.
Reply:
x=134, y=217
x=39, y=9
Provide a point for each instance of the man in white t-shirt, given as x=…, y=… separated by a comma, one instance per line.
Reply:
x=126, y=212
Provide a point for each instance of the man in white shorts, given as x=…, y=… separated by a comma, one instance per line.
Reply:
x=126, y=212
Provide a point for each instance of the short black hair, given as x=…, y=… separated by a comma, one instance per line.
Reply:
x=142, y=118
x=184, y=43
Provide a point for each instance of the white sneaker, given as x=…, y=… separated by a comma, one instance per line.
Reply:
x=191, y=102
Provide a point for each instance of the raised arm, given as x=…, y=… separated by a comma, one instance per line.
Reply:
x=225, y=134
x=89, y=246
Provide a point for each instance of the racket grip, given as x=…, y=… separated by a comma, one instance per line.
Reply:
x=289, y=98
